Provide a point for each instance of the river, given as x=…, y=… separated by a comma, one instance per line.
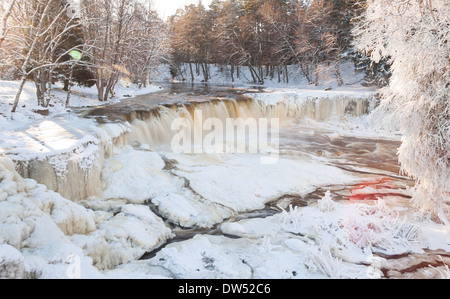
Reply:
x=210, y=193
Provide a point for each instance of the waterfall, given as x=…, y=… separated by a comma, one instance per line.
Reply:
x=155, y=127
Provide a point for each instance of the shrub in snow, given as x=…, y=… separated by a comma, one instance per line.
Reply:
x=379, y=227
x=326, y=204
x=414, y=35
x=339, y=235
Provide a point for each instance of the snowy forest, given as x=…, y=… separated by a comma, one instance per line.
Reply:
x=86, y=42
x=268, y=36
x=92, y=42
x=399, y=48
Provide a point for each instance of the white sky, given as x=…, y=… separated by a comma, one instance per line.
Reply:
x=167, y=8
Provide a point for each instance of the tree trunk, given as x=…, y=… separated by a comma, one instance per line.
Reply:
x=69, y=89
x=232, y=73
x=192, y=73
x=66, y=84
x=305, y=71
x=180, y=70
x=251, y=72
x=19, y=92
x=99, y=85
x=39, y=82
x=261, y=74
x=205, y=72
x=256, y=78
x=49, y=87
x=110, y=86
x=316, y=73
x=197, y=68
x=279, y=74
x=287, y=73
x=337, y=72
x=144, y=80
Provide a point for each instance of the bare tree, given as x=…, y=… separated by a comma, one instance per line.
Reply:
x=37, y=29
x=191, y=39
x=228, y=41
x=4, y=20
x=126, y=39
x=281, y=24
x=106, y=25
x=148, y=47
x=314, y=37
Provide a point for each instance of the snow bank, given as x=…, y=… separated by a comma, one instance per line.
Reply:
x=139, y=177
x=61, y=150
x=47, y=137
x=66, y=154
x=274, y=95
x=124, y=237
x=80, y=97
x=48, y=232
x=12, y=262
x=202, y=190
x=327, y=240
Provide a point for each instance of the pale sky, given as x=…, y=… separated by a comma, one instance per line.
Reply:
x=167, y=8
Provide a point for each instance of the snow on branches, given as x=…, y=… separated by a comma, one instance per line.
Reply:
x=414, y=35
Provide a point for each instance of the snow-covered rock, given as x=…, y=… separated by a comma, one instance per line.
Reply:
x=44, y=235
x=12, y=262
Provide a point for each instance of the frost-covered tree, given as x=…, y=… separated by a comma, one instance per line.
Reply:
x=280, y=23
x=36, y=30
x=149, y=45
x=228, y=42
x=126, y=40
x=414, y=36
x=192, y=39
x=106, y=27
x=5, y=13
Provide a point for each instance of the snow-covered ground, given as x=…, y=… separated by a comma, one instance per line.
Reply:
x=80, y=97
x=145, y=195
x=296, y=79
x=29, y=133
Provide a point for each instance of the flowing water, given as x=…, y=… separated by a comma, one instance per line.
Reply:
x=306, y=133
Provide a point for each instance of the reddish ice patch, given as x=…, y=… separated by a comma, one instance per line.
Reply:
x=372, y=189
